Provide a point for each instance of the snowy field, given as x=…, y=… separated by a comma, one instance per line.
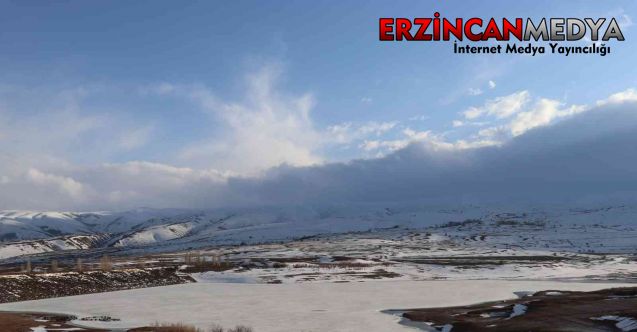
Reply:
x=470, y=251
x=353, y=306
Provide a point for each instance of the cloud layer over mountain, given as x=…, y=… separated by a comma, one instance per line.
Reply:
x=587, y=156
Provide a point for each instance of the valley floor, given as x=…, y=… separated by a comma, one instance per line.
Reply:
x=329, y=282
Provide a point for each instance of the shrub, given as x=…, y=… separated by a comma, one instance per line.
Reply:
x=180, y=327
x=241, y=328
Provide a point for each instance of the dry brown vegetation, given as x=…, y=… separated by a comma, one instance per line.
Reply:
x=40, y=286
x=197, y=262
x=546, y=311
x=24, y=322
x=106, y=264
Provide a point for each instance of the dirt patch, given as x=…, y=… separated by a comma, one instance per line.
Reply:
x=481, y=260
x=547, y=311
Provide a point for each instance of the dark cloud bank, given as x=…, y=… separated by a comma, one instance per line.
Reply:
x=589, y=158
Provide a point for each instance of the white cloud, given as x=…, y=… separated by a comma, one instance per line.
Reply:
x=478, y=91
x=474, y=91
x=419, y=118
x=383, y=147
x=114, y=186
x=348, y=132
x=500, y=107
x=64, y=185
x=544, y=112
x=434, y=141
x=388, y=145
x=628, y=95
x=366, y=100
x=265, y=129
x=493, y=132
x=515, y=114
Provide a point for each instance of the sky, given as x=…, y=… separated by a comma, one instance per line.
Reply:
x=116, y=105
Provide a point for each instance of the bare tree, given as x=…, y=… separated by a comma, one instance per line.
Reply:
x=54, y=266
x=197, y=258
x=78, y=265
x=106, y=264
x=28, y=268
x=215, y=328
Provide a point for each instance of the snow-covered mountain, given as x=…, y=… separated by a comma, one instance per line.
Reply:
x=26, y=232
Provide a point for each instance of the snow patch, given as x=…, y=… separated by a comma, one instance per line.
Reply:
x=623, y=323
x=518, y=310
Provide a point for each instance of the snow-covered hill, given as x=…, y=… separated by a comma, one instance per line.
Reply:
x=25, y=232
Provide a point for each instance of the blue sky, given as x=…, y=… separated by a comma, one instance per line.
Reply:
x=240, y=87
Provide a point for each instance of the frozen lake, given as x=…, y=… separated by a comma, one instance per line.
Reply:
x=353, y=306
